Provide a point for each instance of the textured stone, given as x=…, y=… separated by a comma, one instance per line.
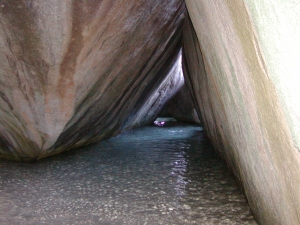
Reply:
x=73, y=72
x=241, y=63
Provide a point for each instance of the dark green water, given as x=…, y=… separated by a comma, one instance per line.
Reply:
x=153, y=175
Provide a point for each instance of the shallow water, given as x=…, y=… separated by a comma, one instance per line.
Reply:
x=153, y=175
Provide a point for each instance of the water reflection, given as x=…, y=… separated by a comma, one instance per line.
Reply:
x=153, y=175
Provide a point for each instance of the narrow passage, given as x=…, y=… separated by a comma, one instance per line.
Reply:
x=161, y=174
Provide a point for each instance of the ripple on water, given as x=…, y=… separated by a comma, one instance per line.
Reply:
x=153, y=175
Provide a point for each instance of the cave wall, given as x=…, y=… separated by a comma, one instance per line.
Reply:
x=75, y=72
x=241, y=64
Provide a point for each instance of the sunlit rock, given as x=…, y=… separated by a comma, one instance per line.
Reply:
x=242, y=64
x=73, y=72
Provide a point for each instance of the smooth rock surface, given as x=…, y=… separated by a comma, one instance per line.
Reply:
x=74, y=72
x=241, y=63
x=151, y=104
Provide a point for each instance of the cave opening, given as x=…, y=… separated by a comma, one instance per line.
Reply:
x=164, y=173
x=73, y=73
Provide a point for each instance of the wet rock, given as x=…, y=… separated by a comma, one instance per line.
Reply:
x=74, y=72
x=241, y=62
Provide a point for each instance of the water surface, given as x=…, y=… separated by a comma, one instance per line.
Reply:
x=153, y=175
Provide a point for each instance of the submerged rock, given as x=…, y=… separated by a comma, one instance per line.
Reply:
x=74, y=72
x=241, y=63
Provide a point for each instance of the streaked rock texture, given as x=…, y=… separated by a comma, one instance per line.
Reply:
x=182, y=107
x=149, y=105
x=242, y=63
x=74, y=72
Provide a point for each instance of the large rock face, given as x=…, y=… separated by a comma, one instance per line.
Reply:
x=242, y=66
x=74, y=72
